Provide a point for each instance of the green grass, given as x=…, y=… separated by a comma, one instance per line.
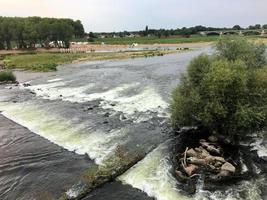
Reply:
x=49, y=61
x=39, y=62
x=156, y=40
x=7, y=76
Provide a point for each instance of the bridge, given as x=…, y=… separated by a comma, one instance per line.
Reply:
x=261, y=32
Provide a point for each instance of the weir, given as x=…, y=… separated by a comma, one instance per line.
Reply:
x=121, y=122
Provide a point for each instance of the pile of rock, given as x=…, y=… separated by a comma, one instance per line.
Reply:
x=207, y=158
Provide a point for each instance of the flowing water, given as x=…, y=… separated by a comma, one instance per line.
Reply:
x=81, y=114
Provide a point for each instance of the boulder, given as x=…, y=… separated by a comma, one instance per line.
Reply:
x=192, y=153
x=190, y=169
x=228, y=167
x=210, y=159
x=223, y=173
x=210, y=147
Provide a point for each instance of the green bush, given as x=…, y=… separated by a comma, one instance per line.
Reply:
x=238, y=48
x=7, y=76
x=227, y=92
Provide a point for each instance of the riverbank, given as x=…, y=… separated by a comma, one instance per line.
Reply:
x=45, y=62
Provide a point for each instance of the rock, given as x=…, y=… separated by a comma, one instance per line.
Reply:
x=107, y=114
x=202, y=140
x=113, y=104
x=211, y=148
x=196, y=161
x=122, y=117
x=180, y=175
x=105, y=122
x=228, y=167
x=191, y=153
x=26, y=84
x=204, y=152
x=224, y=173
x=213, y=138
x=210, y=159
x=90, y=108
x=190, y=169
x=218, y=164
x=220, y=175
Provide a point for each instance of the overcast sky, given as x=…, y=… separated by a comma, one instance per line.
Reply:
x=120, y=15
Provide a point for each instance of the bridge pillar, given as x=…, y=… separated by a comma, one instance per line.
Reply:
x=221, y=33
x=240, y=33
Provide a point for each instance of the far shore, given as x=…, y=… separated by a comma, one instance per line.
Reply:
x=106, y=47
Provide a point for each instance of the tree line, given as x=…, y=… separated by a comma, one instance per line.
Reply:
x=185, y=31
x=33, y=31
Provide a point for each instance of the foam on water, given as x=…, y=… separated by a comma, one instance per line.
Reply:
x=54, y=80
x=260, y=145
x=246, y=190
x=97, y=144
x=147, y=100
x=152, y=175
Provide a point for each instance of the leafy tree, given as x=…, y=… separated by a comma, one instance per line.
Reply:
x=257, y=26
x=78, y=29
x=26, y=32
x=227, y=95
x=237, y=27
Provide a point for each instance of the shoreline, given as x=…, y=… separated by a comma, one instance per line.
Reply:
x=107, y=47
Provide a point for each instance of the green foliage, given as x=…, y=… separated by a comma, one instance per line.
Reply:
x=7, y=76
x=26, y=32
x=238, y=48
x=226, y=93
x=40, y=62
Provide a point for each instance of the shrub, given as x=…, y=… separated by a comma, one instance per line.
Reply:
x=7, y=76
x=238, y=48
x=225, y=93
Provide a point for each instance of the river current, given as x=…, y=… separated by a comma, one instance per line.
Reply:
x=64, y=122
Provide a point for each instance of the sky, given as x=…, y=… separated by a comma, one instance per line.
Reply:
x=120, y=15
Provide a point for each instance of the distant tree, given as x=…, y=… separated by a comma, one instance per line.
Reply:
x=237, y=27
x=146, y=31
x=159, y=34
x=166, y=33
x=91, y=35
x=264, y=26
x=257, y=26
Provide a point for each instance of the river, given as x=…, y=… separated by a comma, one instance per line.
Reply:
x=66, y=121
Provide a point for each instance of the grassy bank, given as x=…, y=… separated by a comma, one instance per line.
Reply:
x=155, y=40
x=49, y=61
